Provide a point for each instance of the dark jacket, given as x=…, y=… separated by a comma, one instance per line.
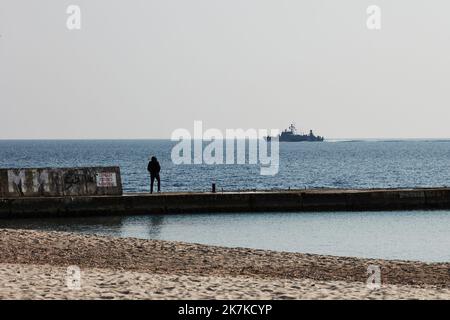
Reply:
x=153, y=167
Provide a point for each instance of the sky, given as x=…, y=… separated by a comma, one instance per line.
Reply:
x=144, y=68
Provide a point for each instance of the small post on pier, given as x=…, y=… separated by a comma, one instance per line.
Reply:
x=213, y=189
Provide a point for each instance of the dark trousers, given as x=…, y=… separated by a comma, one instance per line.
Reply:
x=152, y=180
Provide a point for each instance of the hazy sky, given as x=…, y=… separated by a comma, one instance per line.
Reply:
x=141, y=69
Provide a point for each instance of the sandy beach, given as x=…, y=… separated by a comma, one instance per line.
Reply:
x=33, y=265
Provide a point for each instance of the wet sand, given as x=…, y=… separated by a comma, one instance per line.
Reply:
x=33, y=265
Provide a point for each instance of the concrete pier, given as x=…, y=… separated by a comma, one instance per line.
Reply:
x=170, y=203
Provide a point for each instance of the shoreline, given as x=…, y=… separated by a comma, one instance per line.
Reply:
x=198, y=271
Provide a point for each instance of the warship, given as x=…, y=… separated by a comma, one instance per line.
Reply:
x=291, y=135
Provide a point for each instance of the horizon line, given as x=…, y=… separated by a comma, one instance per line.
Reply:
x=168, y=139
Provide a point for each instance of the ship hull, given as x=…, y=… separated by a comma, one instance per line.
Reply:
x=300, y=139
x=297, y=139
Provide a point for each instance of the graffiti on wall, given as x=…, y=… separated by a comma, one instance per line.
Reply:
x=60, y=182
x=72, y=180
x=17, y=181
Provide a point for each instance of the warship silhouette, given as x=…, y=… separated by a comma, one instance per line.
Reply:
x=290, y=135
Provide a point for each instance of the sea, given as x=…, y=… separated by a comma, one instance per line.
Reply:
x=405, y=235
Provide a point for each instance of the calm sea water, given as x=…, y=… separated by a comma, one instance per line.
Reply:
x=418, y=235
x=357, y=164
x=353, y=164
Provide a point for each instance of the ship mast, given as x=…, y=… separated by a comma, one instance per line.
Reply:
x=292, y=128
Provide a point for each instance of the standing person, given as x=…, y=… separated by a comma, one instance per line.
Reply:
x=154, y=168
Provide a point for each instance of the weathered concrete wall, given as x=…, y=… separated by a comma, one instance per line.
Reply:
x=56, y=182
x=167, y=203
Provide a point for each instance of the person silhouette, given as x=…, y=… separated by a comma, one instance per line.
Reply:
x=154, y=168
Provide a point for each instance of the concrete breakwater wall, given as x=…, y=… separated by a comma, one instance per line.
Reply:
x=168, y=203
x=57, y=182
